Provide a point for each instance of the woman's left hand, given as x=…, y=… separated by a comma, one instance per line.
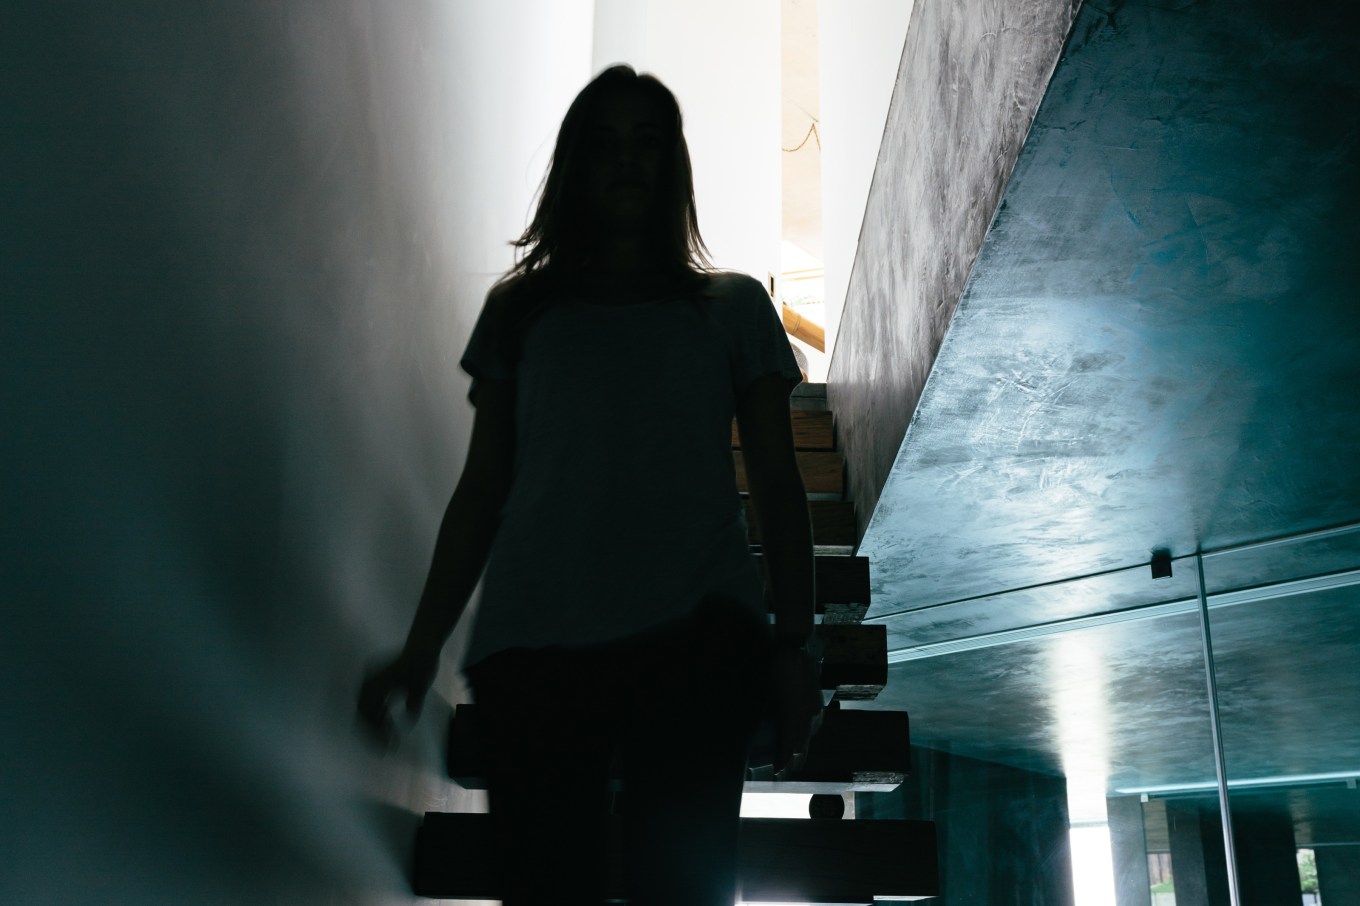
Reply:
x=407, y=676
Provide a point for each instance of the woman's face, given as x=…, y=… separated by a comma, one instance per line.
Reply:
x=625, y=154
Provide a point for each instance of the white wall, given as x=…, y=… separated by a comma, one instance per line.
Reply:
x=721, y=59
x=244, y=244
x=861, y=45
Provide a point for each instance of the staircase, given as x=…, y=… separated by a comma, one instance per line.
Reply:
x=781, y=860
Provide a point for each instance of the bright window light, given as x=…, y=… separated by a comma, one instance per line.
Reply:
x=1092, y=865
x=775, y=805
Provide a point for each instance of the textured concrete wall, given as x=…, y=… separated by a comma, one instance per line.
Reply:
x=1338, y=869
x=1158, y=344
x=970, y=80
x=1198, y=859
x=1002, y=831
x=243, y=243
x=861, y=48
x=1129, y=851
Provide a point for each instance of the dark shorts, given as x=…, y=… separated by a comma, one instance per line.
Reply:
x=669, y=715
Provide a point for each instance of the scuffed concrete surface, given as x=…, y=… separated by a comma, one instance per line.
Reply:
x=971, y=77
x=1159, y=345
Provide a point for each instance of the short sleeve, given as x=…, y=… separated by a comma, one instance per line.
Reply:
x=486, y=356
x=760, y=346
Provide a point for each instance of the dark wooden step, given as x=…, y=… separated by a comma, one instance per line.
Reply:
x=854, y=666
x=833, y=523
x=780, y=860
x=812, y=430
x=842, y=592
x=808, y=396
x=794, y=861
x=855, y=659
x=854, y=751
x=823, y=472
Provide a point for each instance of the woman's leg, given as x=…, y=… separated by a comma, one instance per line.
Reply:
x=548, y=756
x=697, y=701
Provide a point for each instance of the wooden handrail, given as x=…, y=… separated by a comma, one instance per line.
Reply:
x=795, y=325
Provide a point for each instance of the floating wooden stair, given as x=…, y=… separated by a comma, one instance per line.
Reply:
x=833, y=524
x=842, y=592
x=780, y=860
x=783, y=861
x=854, y=660
x=812, y=429
x=855, y=751
x=822, y=468
x=823, y=472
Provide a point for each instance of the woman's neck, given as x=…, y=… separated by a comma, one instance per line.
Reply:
x=620, y=281
x=624, y=258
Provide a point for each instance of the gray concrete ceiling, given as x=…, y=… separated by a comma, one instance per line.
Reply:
x=1158, y=347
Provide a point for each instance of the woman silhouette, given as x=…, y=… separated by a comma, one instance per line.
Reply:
x=622, y=629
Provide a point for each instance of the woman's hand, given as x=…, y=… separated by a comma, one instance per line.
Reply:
x=407, y=676
x=460, y=554
x=795, y=703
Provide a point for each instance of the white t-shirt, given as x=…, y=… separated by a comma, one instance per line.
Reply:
x=623, y=510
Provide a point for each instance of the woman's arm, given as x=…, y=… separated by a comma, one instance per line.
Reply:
x=470, y=522
x=786, y=535
x=460, y=554
x=780, y=501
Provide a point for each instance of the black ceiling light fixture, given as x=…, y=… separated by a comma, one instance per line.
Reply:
x=1161, y=563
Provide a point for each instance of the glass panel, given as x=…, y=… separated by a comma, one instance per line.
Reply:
x=1285, y=626
x=1063, y=745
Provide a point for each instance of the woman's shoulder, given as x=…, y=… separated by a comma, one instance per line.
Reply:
x=515, y=296
x=510, y=287
x=517, y=292
x=734, y=287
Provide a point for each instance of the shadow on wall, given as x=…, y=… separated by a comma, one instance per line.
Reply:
x=233, y=292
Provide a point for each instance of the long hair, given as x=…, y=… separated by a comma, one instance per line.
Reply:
x=555, y=245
